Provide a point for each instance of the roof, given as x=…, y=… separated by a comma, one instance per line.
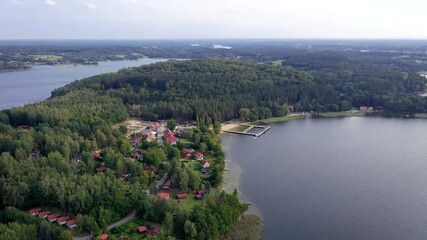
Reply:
x=163, y=195
x=201, y=191
x=171, y=139
x=96, y=154
x=71, y=222
x=198, y=154
x=101, y=169
x=168, y=132
x=104, y=236
x=42, y=214
x=137, y=154
x=142, y=229
x=168, y=183
x=53, y=216
x=62, y=219
x=181, y=195
x=35, y=210
x=136, y=140
x=154, y=231
x=204, y=161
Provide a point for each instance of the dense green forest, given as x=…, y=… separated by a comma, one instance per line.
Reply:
x=225, y=89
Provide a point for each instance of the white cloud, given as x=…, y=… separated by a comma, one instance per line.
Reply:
x=50, y=3
x=91, y=5
x=17, y=2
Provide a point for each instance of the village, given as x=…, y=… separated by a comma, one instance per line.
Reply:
x=141, y=133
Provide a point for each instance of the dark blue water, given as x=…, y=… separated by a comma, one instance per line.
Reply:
x=349, y=178
x=22, y=87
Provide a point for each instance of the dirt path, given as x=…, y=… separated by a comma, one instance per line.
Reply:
x=124, y=220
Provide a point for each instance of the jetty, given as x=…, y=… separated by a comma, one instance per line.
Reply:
x=250, y=127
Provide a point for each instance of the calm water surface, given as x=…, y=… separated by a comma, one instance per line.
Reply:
x=23, y=87
x=350, y=178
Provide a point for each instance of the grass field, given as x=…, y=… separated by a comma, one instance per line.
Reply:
x=51, y=58
x=240, y=128
x=278, y=62
x=420, y=115
x=342, y=114
x=279, y=119
x=127, y=230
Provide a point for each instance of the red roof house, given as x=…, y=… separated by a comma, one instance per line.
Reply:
x=104, y=236
x=198, y=156
x=34, y=211
x=172, y=140
x=163, y=195
x=62, y=220
x=43, y=214
x=142, y=229
x=168, y=132
x=167, y=185
x=71, y=223
x=101, y=169
x=52, y=217
x=186, y=153
x=154, y=232
x=204, y=163
x=138, y=156
x=181, y=195
x=96, y=154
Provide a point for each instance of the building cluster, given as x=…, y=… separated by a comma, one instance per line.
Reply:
x=54, y=218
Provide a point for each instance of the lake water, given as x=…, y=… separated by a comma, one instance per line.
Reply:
x=349, y=178
x=22, y=87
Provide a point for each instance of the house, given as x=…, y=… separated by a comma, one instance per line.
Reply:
x=200, y=194
x=154, y=232
x=167, y=185
x=172, y=140
x=149, y=135
x=168, y=132
x=138, y=156
x=62, y=220
x=204, y=163
x=126, y=176
x=163, y=195
x=198, y=156
x=71, y=224
x=96, y=154
x=186, y=153
x=44, y=214
x=181, y=195
x=104, y=236
x=142, y=229
x=135, y=140
x=101, y=169
x=76, y=158
x=34, y=211
x=53, y=217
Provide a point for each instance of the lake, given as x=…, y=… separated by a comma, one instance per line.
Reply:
x=347, y=178
x=22, y=87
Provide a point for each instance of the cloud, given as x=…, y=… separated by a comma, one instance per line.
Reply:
x=91, y=5
x=50, y=3
x=17, y=2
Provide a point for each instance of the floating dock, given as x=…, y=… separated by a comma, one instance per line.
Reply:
x=250, y=127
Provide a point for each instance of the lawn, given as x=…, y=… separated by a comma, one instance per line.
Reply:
x=52, y=58
x=420, y=115
x=279, y=119
x=185, y=141
x=278, y=62
x=240, y=128
x=127, y=230
x=342, y=114
x=189, y=203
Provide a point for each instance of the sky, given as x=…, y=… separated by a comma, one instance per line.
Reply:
x=206, y=19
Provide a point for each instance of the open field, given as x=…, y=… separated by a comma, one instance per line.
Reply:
x=280, y=119
x=342, y=114
x=133, y=125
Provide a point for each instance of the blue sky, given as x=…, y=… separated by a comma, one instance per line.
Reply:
x=183, y=19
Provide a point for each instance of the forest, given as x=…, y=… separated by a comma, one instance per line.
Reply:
x=220, y=90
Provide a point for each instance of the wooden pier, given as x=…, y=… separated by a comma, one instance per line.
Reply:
x=250, y=127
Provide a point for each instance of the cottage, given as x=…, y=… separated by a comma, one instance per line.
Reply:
x=62, y=220
x=149, y=135
x=142, y=229
x=71, y=224
x=182, y=195
x=163, y=195
x=172, y=140
x=186, y=153
x=101, y=169
x=200, y=194
x=138, y=156
x=154, y=232
x=53, y=217
x=135, y=140
x=168, y=185
x=168, y=132
x=204, y=163
x=198, y=156
x=34, y=211
x=44, y=214
x=96, y=154
x=104, y=236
